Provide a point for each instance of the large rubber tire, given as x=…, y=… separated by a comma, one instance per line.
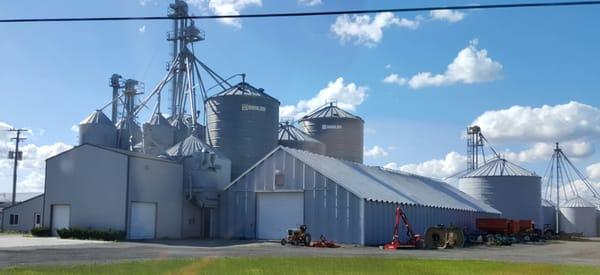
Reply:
x=307, y=239
x=283, y=241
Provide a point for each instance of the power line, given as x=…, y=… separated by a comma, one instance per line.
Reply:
x=302, y=14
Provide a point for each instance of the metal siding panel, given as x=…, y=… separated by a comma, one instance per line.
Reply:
x=517, y=197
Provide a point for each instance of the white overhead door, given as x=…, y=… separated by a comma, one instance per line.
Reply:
x=143, y=220
x=278, y=212
x=61, y=217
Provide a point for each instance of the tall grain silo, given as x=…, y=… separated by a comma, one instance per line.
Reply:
x=129, y=133
x=511, y=189
x=290, y=136
x=340, y=131
x=242, y=124
x=577, y=215
x=158, y=135
x=97, y=129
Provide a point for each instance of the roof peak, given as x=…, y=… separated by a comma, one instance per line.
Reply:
x=500, y=167
x=330, y=110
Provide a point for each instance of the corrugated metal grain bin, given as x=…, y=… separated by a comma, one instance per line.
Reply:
x=97, y=129
x=340, y=131
x=507, y=187
x=242, y=124
x=158, y=135
x=576, y=216
x=290, y=136
x=129, y=133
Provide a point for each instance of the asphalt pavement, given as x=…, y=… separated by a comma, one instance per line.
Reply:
x=19, y=250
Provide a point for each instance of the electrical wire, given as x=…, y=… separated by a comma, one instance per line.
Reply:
x=303, y=14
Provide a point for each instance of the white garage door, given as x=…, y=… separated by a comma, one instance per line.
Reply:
x=278, y=212
x=143, y=220
x=61, y=215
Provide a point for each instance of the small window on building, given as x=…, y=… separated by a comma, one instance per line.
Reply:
x=37, y=220
x=279, y=179
x=14, y=219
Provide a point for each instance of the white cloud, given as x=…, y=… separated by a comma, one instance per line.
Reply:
x=395, y=79
x=447, y=15
x=387, y=66
x=375, y=152
x=366, y=31
x=143, y=2
x=593, y=171
x=142, y=29
x=31, y=169
x=309, y=2
x=542, y=151
x=436, y=168
x=226, y=7
x=563, y=122
x=347, y=96
x=471, y=65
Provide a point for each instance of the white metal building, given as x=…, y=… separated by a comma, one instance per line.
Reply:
x=24, y=215
x=344, y=201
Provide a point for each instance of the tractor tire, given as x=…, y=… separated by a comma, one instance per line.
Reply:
x=283, y=241
x=307, y=239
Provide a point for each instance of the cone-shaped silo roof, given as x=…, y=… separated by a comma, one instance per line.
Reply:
x=578, y=202
x=245, y=89
x=330, y=111
x=547, y=203
x=97, y=117
x=188, y=147
x=290, y=132
x=499, y=167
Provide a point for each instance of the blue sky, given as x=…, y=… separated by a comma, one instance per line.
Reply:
x=55, y=74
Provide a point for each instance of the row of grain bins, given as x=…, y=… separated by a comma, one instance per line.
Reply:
x=242, y=123
x=516, y=192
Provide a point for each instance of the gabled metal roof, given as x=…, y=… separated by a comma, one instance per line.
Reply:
x=578, y=202
x=19, y=197
x=245, y=89
x=330, y=111
x=97, y=117
x=499, y=167
x=380, y=184
x=290, y=132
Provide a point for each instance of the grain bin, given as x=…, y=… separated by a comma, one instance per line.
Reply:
x=129, y=133
x=340, y=131
x=511, y=189
x=158, y=135
x=242, y=124
x=290, y=136
x=577, y=216
x=548, y=215
x=97, y=129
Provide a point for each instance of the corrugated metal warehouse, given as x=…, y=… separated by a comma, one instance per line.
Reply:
x=342, y=200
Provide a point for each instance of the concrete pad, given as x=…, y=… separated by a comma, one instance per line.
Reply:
x=18, y=241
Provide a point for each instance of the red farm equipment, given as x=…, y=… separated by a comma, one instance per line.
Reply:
x=414, y=240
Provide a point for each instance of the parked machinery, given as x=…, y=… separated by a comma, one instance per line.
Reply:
x=441, y=236
x=505, y=231
x=297, y=237
x=414, y=240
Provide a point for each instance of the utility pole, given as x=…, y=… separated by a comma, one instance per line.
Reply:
x=16, y=155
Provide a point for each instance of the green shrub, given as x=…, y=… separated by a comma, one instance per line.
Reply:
x=91, y=234
x=40, y=231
